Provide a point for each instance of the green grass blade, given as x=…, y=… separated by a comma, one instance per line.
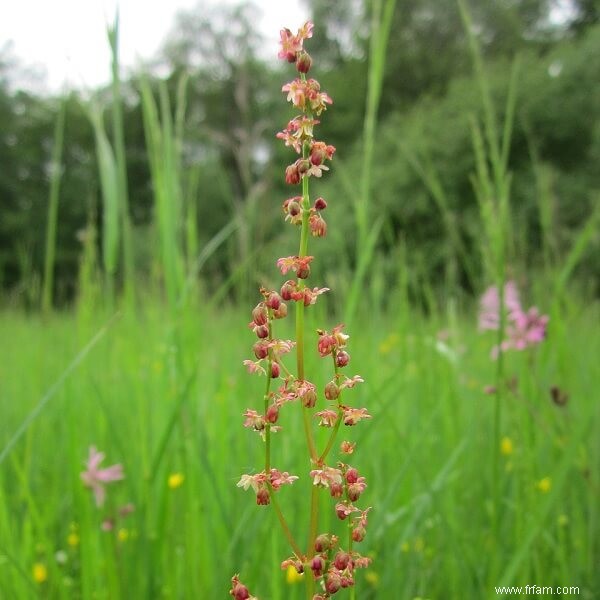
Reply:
x=51, y=226
x=77, y=360
x=118, y=131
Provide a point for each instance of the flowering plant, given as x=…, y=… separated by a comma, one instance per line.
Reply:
x=329, y=560
x=525, y=328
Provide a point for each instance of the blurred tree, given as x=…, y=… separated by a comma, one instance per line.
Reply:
x=233, y=111
x=427, y=46
x=587, y=13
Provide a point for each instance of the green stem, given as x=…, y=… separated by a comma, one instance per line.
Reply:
x=300, y=313
x=55, y=177
x=284, y=525
x=331, y=440
x=336, y=427
x=267, y=391
x=268, y=425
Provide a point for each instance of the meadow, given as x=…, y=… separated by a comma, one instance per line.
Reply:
x=483, y=468
x=454, y=514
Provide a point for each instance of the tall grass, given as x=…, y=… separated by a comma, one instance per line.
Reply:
x=51, y=224
x=109, y=185
x=368, y=231
x=163, y=141
x=121, y=164
x=431, y=479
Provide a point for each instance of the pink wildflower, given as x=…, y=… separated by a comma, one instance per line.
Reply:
x=254, y=420
x=529, y=328
x=524, y=329
x=347, y=447
x=327, y=417
x=310, y=296
x=291, y=44
x=255, y=481
x=278, y=478
x=326, y=476
x=489, y=315
x=96, y=478
x=298, y=264
x=353, y=415
x=350, y=382
x=254, y=367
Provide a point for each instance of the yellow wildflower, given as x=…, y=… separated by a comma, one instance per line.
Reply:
x=544, y=485
x=40, y=573
x=175, y=480
x=123, y=534
x=405, y=547
x=292, y=576
x=372, y=578
x=506, y=446
x=73, y=539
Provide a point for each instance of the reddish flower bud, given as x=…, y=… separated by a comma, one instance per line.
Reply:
x=323, y=542
x=281, y=311
x=341, y=560
x=261, y=331
x=317, y=156
x=261, y=349
x=259, y=314
x=351, y=475
x=303, y=271
x=272, y=413
x=336, y=490
x=326, y=344
x=354, y=491
x=294, y=209
x=341, y=510
x=307, y=296
x=320, y=204
x=358, y=533
x=240, y=592
x=317, y=564
x=302, y=165
x=342, y=358
x=309, y=399
x=303, y=62
x=318, y=226
x=275, y=370
x=287, y=289
x=333, y=582
x=292, y=176
x=262, y=497
x=332, y=391
x=274, y=300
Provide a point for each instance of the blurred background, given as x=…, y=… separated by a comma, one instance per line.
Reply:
x=212, y=89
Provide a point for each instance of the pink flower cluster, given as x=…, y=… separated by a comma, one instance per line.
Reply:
x=96, y=478
x=524, y=329
x=328, y=563
x=260, y=483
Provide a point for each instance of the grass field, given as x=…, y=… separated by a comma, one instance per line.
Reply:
x=459, y=506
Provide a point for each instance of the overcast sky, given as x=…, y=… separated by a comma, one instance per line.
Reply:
x=67, y=38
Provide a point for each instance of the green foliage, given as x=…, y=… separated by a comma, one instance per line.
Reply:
x=430, y=534
x=231, y=164
x=163, y=140
x=432, y=142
